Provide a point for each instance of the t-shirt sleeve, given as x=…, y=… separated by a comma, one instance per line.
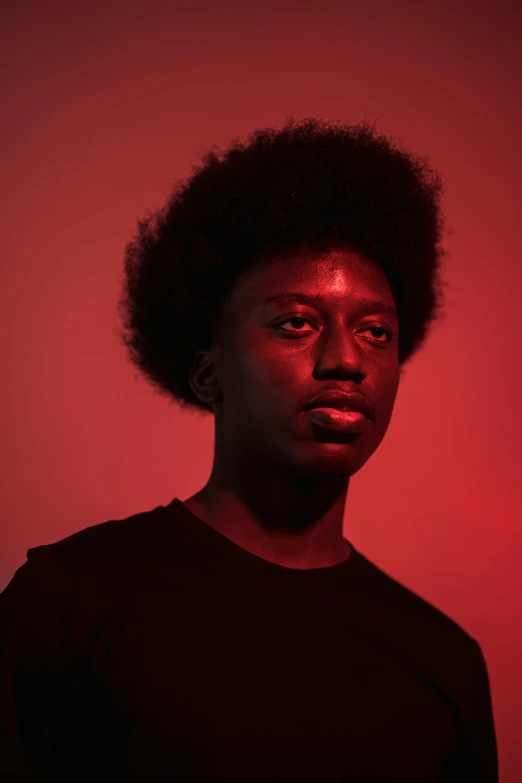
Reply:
x=33, y=658
x=478, y=756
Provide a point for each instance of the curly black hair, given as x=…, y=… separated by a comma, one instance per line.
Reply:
x=312, y=185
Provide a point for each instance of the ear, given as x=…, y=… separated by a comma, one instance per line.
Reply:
x=203, y=380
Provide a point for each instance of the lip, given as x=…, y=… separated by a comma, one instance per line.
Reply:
x=341, y=421
x=340, y=401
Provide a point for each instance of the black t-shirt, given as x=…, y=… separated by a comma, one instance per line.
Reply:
x=153, y=648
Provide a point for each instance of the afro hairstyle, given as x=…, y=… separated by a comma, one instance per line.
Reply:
x=311, y=185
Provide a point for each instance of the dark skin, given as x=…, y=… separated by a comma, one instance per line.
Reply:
x=279, y=484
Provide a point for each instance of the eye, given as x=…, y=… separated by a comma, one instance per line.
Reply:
x=296, y=318
x=290, y=320
x=380, y=329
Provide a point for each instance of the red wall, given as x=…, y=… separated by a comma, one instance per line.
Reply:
x=105, y=106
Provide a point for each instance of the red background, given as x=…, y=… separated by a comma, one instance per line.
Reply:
x=106, y=105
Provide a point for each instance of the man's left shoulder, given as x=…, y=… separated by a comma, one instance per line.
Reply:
x=417, y=619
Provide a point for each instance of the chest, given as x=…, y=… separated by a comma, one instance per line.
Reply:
x=228, y=681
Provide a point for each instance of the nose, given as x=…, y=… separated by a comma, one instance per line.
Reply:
x=339, y=352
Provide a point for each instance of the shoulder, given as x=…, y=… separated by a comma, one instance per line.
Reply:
x=101, y=558
x=423, y=637
x=109, y=542
x=414, y=624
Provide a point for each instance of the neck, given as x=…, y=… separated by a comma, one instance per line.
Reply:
x=295, y=522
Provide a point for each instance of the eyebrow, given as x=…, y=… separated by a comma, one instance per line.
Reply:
x=363, y=303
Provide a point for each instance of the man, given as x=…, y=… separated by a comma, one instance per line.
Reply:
x=237, y=635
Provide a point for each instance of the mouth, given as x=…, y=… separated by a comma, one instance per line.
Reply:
x=346, y=422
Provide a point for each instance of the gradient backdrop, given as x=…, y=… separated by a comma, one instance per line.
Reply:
x=106, y=105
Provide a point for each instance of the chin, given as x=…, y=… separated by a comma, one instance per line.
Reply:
x=334, y=460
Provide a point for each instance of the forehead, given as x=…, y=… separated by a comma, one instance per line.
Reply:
x=335, y=274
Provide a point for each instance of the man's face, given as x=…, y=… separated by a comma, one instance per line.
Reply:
x=269, y=366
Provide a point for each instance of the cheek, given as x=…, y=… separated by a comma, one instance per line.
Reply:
x=250, y=385
x=280, y=384
x=384, y=401
x=267, y=374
